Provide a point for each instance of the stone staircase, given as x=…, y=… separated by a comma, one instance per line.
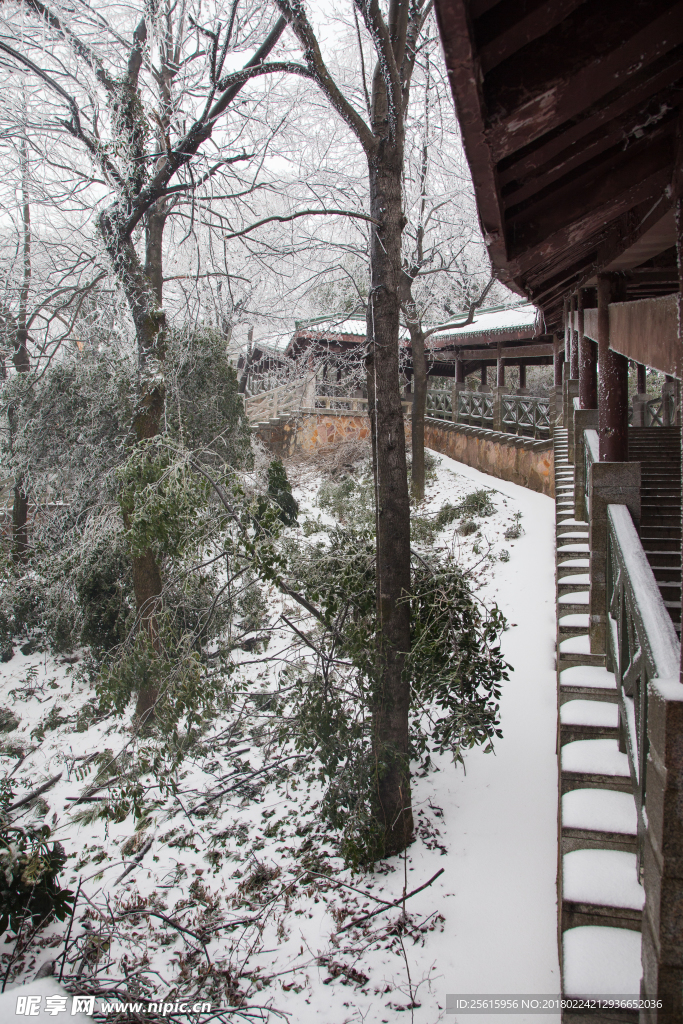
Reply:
x=601, y=897
x=658, y=449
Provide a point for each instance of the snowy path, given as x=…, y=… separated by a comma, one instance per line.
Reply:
x=501, y=820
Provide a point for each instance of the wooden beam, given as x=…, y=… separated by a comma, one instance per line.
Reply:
x=639, y=91
x=508, y=352
x=524, y=31
x=587, y=223
x=589, y=192
x=547, y=283
x=645, y=330
x=615, y=136
x=556, y=101
x=458, y=339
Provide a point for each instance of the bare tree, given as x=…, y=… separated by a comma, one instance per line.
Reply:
x=380, y=130
x=139, y=139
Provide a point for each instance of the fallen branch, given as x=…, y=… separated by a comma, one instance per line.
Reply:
x=35, y=793
x=135, y=861
x=168, y=921
x=396, y=903
x=251, y=775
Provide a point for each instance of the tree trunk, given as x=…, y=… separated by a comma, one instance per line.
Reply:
x=21, y=360
x=417, y=476
x=143, y=290
x=392, y=687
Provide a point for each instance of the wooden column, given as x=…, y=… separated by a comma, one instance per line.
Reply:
x=483, y=386
x=573, y=336
x=641, y=370
x=612, y=384
x=500, y=372
x=588, y=360
x=558, y=357
x=459, y=371
x=522, y=376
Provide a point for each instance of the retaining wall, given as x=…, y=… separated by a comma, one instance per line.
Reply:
x=518, y=459
x=311, y=430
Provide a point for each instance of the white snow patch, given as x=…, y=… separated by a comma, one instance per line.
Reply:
x=44, y=988
x=576, y=644
x=587, y=675
x=599, y=757
x=582, y=597
x=601, y=961
x=600, y=809
x=605, y=877
x=574, y=619
x=589, y=712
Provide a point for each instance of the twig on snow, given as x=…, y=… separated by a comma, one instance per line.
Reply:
x=396, y=903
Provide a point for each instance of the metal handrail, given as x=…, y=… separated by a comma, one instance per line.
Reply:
x=641, y=643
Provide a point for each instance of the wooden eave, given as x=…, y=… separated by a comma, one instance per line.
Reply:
x=570, y=118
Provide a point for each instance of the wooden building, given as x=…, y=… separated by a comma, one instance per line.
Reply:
x=571, y=119
x=497, y=336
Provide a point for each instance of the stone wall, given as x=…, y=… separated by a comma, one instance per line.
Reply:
x=312, y=430
x=506, y=456
x=518, y=459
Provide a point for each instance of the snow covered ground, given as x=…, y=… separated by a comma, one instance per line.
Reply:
x=253, y=878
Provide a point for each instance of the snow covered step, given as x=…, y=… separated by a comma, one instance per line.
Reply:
x=588, y=719
x=601, y=961
x=589, y=712
x=574, y=620
x=588, y=676
x=572, y=626
x=580, y=597
x=572, y=536
x=570, y=564
x=573, y=605
x=567, y=659
x=587, y=682
x=601, y=887
x=576, y=644
x=599, y=819
x=574, y=581
x=594, y=764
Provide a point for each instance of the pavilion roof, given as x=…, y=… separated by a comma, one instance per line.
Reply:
x=568, y=112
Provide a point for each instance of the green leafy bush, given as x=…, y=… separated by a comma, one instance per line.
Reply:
x=455, y=668
x=280, y=490
x=29, y=870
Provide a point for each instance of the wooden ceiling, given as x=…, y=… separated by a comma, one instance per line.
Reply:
x=570, y=117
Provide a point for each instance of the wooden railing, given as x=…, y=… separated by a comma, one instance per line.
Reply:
x=525, y=415
x=518, y=414
x=283, y=400
x=591, y=454
x=440, y=403
x=302, y=397
x=641, y=644
x=475, y=409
